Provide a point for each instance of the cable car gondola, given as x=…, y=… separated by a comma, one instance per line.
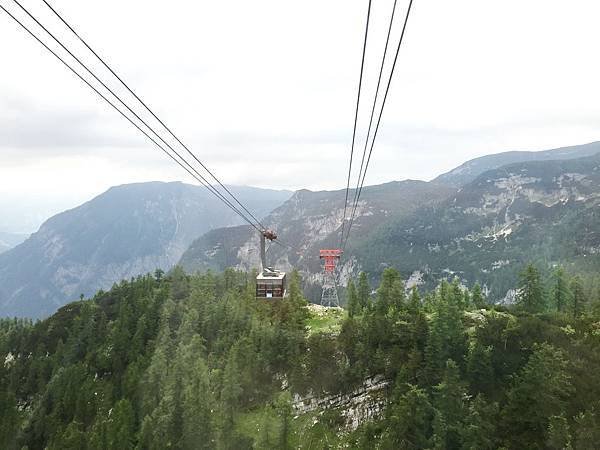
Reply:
x=270, y=283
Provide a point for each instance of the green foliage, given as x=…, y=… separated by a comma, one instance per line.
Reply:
x=561, y=294
x=409, y=420
x=559, y=437
x=196, y=362
x=531, y=292
x=539, y=392
x=354, y=306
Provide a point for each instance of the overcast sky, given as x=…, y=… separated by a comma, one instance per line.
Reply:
x=264, y=91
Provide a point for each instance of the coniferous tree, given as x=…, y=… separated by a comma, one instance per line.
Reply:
x=479, y=430
x=559, y=437
x=477, y=296
x=283, y=407
x=586, y=432
x=560, y=290
x=353, y=304
x=121, y=426
x=414, y=302
x=578, y=299
x=364, y=291
x=447, y=338
x=479, y=368
x=410, y=420
x=531, y=293
x=449, y=397
x=9, y=419
x=391, y=291
x=539, y=392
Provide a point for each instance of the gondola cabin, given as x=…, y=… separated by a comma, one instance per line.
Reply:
x=271, y=284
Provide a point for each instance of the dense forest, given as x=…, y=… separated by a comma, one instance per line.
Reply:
x=195, y=361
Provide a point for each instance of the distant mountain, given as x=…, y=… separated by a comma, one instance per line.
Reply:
x=470, y=170
x=542, y=211
x=10, y=240
x=127, y=231
x=307, y=222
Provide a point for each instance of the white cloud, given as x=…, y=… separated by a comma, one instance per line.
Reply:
x=264, y=91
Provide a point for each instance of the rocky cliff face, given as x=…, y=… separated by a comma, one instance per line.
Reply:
x=364, y=404
x=125, y=232
x=545, y=211
x=308, y=222
x=541, y=211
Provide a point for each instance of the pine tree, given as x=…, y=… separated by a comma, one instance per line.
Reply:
x=531, y=293
x=477, y=296
x=197, y=397
x=447, y=338
x=409, y=420
x=559, y=437
x=560, y=290
x=283, y=406
x=449, y=396
x=479, y=368
x=414, y=302
x=479, y=430
x=586, y=431
x=391, y=291
x=121, y=426
x=9, y=419
x=353, y=304
x=578, y=298
x=539, y=392
x=364, y=291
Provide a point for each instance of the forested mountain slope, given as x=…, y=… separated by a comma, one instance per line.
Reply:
x=128, y=230
x=196, y=362
x=546, y=211
x=307, y=222
x=467, y=172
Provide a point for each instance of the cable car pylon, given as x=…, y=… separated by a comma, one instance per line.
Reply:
x=329, y=294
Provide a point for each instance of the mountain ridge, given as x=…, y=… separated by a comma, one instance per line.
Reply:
x=484, y=231
x=468, y=171
x=126, y=231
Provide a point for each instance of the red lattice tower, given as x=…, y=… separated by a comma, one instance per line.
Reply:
x=331, y=256
x=329, y=295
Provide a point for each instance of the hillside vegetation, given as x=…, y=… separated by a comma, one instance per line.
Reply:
x=192, y=362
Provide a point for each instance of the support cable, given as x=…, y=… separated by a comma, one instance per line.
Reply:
x=383, y=59
x=362, y=66
x=378, y=121
x=189, y=169
x=152, y=113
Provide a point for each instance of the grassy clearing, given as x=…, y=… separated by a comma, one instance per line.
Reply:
x=325, y=319
x=311, y=431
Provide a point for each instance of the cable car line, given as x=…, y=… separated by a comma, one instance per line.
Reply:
x=202, y=179
x=198, y=176
x=362, y=66
x=212, y=188
x=379, y=119
x=152, y=113
x=383, y=59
